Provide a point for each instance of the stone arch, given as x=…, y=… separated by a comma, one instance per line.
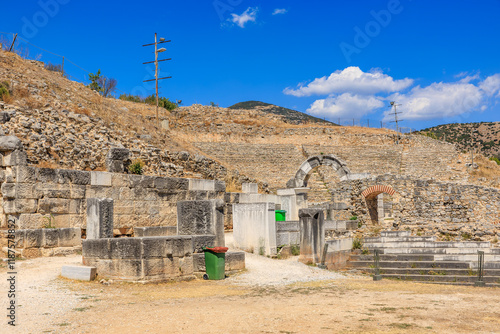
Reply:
x=374, y=202
x=304, y=172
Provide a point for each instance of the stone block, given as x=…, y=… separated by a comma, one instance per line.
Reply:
x=115, y=166
x=50, y=237
x=200, y=184
x=100, y=179
x=171, y=183
x=25, y=174
x=52, y=190
x=20, y=237
x=155, y=231
x=119, y=180
x=75, y=206
x=282, y=239
x=47, y=175
x=154, y=247
x=125, y=248
x=235, y=261
x=195, y=218
x=186, y=266
x=118, y=153
x=220, y=186
x=70, y=237
x=171, y=265
x=153, y=267
x=312, y=235
x=181, y=246
x=26, y=191
x=99, y=218
x=15, y=158
x=8, y=190
x=199, y=262
x=34, y=238
x=79, y=272
x=200, y=241
x=96, y=248
x=11, y=206
x=254, y=227
x=250, y=188
x=127, y=269
x=141, y=181
x=53, y=205
x=74, y=176
x=31, y=253
x=10, y=143
x=287, y=226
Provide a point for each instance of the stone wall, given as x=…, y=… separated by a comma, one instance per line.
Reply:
x=33, y=195
x=426, y=206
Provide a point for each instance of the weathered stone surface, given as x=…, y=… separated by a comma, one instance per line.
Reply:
x=53, y=205
x=34, y=238
x=195, y=217
x=70, y=237
x=81, y=273
x=15, y=158
x=200, y=241
x=171, y=183
x=96, y=248
x=155, y=231
x=10, y=143
x=250, y=188
x=312, y=235
x=50, y=237
x=154, y=247
x=125, y=248
x=100, y=179
x=99, y=218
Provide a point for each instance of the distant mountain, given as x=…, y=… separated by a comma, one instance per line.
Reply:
x=484, y=137
x=289, y=115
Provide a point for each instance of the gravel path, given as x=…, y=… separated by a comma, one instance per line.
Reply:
x=262, y=271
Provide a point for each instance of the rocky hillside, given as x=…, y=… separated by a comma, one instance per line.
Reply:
x=288, y=115
x=483, y=137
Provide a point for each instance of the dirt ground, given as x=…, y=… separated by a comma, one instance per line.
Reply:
x=346, y=304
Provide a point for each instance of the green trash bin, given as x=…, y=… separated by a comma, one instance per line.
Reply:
x=215, y=263
x=280, y=215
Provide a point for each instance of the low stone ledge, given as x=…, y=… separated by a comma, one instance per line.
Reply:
x=155, y=231
x=79, y=273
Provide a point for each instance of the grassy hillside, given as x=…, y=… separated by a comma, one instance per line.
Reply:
x=289, y=115
x=483, y=137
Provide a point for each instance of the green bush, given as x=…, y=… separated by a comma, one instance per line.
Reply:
x=353, y=218
x=131, y=98
x=136, y=167
x=163, y=102
x=54, y=67
x=495, y=159
x=295, y=250
x=4, y=90
x=357, y=243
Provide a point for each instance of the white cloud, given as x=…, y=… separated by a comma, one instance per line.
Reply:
x=249, y=15
x=491, y=85
x=279, y=11
x=352, y=80
x=345, y=106
x=439, y=100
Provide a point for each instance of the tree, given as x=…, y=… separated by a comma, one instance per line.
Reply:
x=94, y=81
x=108, y=85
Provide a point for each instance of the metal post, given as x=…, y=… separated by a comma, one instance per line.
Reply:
x=480, y=269
x=156, y=76
x=63, y=66
x=377, y=276
x=13, y=41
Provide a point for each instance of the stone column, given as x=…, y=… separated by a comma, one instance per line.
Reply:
x=99, y=218
x=201, y=218
x=312, y=235
x=117, y=160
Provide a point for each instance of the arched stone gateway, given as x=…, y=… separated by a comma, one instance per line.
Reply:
x=379, y=207
x=304, y=172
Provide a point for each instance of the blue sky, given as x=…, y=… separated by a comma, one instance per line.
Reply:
x=333, y=59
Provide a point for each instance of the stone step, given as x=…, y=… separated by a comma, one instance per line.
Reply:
x=412, y=264
x=442, y=278
x=395, y=233
x=394, y=257
x=441, y=251
x=437, y=272
x=473, y=258
x=428, y=244
x=399, y=239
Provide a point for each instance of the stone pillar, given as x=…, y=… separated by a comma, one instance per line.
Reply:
x=201, y=218
x=117, y=160
x=99, y=218
x=250, y=188
x=312, y=235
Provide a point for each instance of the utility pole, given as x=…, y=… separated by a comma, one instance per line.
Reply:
x=156, y=61
x=396, y=120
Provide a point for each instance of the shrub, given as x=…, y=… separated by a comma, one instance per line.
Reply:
x=54, y=67
x=131, y=98
x=353, y=218
x=4, y=91
x=136, y=167
x=295, y=250
x=357, y=243
x=495, y=159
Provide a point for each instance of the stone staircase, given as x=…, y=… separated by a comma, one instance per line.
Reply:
x=319, y=192
x=423, y=259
